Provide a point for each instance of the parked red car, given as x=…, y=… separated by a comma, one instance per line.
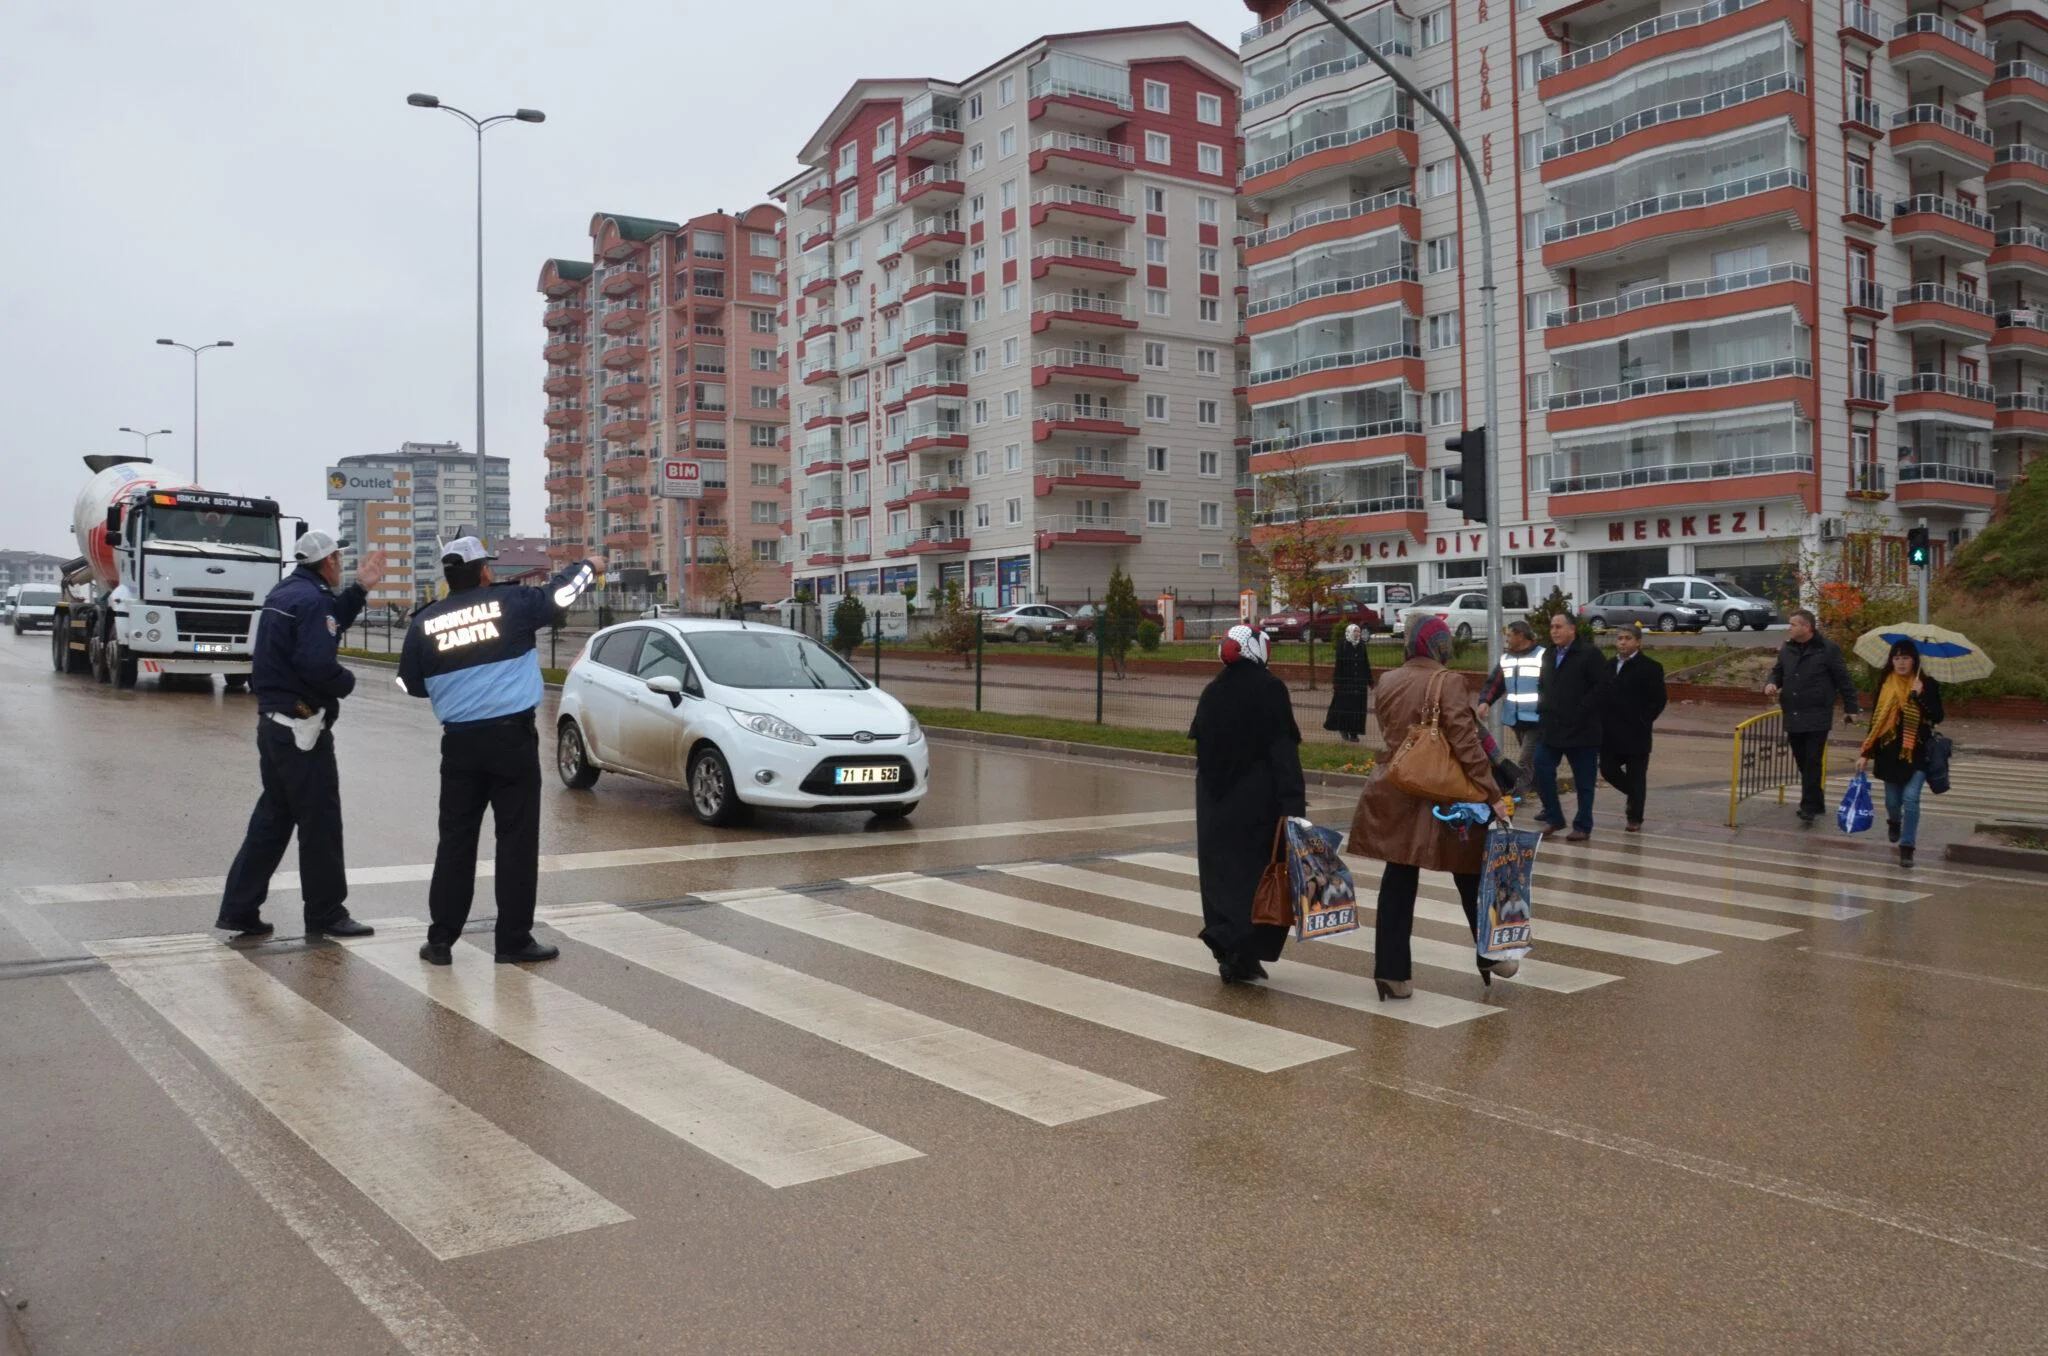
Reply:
x=1081, y=623
x=1293, y=623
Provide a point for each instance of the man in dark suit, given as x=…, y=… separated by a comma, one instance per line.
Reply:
x=1568, y=698
x=1635, y=698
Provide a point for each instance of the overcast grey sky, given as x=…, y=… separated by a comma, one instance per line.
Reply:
x=204, y=170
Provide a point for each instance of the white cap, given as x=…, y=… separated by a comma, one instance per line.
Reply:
x=464, y=551
x=317, y=546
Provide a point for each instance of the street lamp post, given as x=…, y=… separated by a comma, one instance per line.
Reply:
x=146, y=436
x=480, y=126
x=195, y=352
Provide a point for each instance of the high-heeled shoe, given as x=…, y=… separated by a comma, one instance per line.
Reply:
x=1394, y=988
x=1506, y=969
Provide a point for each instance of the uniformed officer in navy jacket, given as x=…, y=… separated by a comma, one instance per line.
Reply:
x=299, y=684
x=472, y=654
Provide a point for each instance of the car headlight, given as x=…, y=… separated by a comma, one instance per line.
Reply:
x=774, y=727
x=916, y=735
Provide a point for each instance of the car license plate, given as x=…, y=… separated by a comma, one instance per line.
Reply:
x=864, y=776
x=207, y=647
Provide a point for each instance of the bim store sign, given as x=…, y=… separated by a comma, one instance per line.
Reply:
x=353, y=482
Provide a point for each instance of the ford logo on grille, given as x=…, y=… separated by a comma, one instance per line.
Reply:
x=864, y=736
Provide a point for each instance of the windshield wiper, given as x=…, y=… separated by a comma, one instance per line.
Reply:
x=809, y=672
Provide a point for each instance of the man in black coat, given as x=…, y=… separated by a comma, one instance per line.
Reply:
x=1568, y=699
x=1809, y=675
x=1635, y=698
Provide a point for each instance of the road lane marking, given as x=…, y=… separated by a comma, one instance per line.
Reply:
x=1821, y=861
x=1168, y=1021
x=771, y=1135
x=1695, y=893
x=1426, y=951
x=447, y=1176
x=1338, y=987
x=1438, y=904
x=1731, y=1174
x=719, y=849
x=1031, y=1085
x=1723, y=874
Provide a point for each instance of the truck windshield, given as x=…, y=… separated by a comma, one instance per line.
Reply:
x=209, y=527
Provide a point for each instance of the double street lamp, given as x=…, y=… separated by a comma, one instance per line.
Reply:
x=146, y=436
x=480, y=126
x=195, y=352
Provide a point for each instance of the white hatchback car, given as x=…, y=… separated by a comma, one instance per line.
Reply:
x=738, y=715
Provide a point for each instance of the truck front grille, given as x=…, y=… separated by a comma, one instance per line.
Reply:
x=222, y=595
x=213, y=625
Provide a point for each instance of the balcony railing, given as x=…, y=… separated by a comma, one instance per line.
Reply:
x=1690, y=290
x=2021, y=70
x=930, y=122
x=943, y=324
x=1945, y=296
x=1675, y=202
x=949, y=272
x=1067, y=414
x=1350, y=61
x=1942, y=472
x=2022, y=318
x=1062, y=195
x=1941, y=383
x=943, y=428
x=1864, y=112
x=945, y=172
x=2037, y=403
x=1667, y=382
x=1864, y=202
x=1091, y=305
x=1934, y=114
x=1400, y=197
x=1350, y=136
x=942, y=223
x=1082, y=249
x=1934, y=23
x=1341, y=433
x=1326, y=361
x=1869, y=477
x=1642, y=32
x=939, y=484
x=1079, y=357
x=1331, y=287
x=1064, y=524
x=1941, y=207
x=1045, y=84
x=1859, y=18
x=2019, y=153
x=1679, y=472
x=1673, y=112
x=1343, y=508
x=1068, y=468
x=1866, y=295
x=2031, y=236
x=1069, y=141
x=945, y=374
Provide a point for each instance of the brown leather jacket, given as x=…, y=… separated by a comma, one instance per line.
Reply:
x=1390, y=824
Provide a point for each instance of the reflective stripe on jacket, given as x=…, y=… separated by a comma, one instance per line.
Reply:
x=1520, y=674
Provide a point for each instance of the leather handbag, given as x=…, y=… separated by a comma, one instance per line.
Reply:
x=1939, y=751
x=1424, y=766
x=1273, y=902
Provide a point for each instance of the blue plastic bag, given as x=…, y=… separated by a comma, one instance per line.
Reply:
x=1855, y=814
x=1505, y=881
x=1325, y=900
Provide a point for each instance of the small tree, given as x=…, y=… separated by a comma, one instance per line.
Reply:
x=1559, y=603
x=956, y=624
x=731, y=570
x=1291, y=539
x=849, y=624
x=1119, y=617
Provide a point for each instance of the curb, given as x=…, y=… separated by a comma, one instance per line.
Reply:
x=2009, y=858
x=1179, y=762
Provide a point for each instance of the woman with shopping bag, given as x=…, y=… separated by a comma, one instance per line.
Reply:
x=1901, y=735
x=1247, y=780
x=1436, y=756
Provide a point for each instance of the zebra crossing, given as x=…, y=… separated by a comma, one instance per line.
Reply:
x=1979, y=789
x=1607, y=919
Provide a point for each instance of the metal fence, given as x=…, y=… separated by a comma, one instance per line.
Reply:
x=1762, y=762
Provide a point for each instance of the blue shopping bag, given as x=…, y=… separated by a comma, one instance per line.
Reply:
x=1855, y=814
x=1325, y=900
x=1504, y=884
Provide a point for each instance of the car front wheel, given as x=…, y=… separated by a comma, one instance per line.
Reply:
x=1597, y=625
x=712, y=797
x=1020, y=635
x=1464, y=631
x=1667, y=622
x=1733, y=621
x=572, y=760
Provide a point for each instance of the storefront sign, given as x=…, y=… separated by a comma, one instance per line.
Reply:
x=1721, y=523
x=1513, y=540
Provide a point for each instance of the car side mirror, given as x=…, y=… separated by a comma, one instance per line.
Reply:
x=668, y=686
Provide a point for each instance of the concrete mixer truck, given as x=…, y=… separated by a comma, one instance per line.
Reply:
x=170, y=578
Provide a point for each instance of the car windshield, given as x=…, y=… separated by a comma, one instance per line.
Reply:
x=770, y=659
x=39, y=597
x=1438, y=600
x=1737, y=591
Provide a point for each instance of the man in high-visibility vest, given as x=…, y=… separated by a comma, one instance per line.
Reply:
x=1512, y=687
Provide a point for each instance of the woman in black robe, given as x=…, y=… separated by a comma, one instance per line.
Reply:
x=1349, y=679
x=1247, y=778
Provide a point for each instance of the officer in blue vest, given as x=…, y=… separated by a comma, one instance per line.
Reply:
x=472, y=654
x=1512, y=687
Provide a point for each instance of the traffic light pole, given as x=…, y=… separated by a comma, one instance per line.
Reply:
x=1494, y=581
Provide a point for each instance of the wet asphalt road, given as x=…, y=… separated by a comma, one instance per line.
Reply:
x=1717, y=1125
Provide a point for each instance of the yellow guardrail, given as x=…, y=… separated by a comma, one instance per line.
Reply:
x=1762, y=761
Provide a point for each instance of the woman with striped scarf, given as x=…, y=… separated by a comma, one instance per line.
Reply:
x=1908, y=707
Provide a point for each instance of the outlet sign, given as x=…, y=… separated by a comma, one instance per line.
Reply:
x=353, y=482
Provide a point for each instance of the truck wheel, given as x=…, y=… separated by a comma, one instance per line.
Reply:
x=236, y=682
x=69, y=660
x=97, y=648
x=126, y=666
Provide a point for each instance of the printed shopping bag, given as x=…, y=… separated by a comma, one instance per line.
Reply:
x=1325, y=900
x=1855, y=813
x=1504, y=885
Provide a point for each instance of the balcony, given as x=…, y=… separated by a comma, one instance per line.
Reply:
x=818, y=370
x=945, y=279
x=1077, y=310
x=2019, y=175
x=623, y=425
x=935, y=236
x=2018, y=93
x=1677, y=394
x=1677, y=484
x=1113, y=421
x=1068, y=529
x=1928, y=139
x=940, y=379
x=2020, y=255
x=564, y=447
x=934, y=186
x=815, y=237
x=1870, y=481
x=1663, y=36
x=1361, y=292
x=1864, y=117
x=1377, y=516
x=563, y=313
x=1372, y=365
x=622, y=316
x=1384, y=146
x=563, y=381
x=1645, y=227
x=1353, y=220
x=627, y=388
x=1866, y=299
x=826, y=413
x=1382, y=439
x=1942, y=313
x=626, y=464
x=1943, y=398
x=1079, y=91
x=933, y=435
x=617, y=280
x=623, y=500
x=1928, y=49
x=1092, y=473
x=1758, y=101
x=823, y=454
x=818, y=190
x=1081, y=259
x=1866, y=209
x=1080, y=365
x=931, y=133
x=1071, y=203
x=1868, y=390
x=1695, y=301
x=949, y=329
x=563, y=413
x=939, y=538
x=813, y=281
x=628, y=351
x=931, y=489
x=631, y=535
x=2020, y=333
x=2017, y=414
x=823, y=506
x=1071, y=152
x=1932, y=226
x=1942, y=485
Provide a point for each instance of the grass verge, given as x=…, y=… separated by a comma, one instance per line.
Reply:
x=1316, y=757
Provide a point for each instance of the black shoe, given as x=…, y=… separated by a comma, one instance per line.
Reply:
x=532, y=951
x=255, y=927
x=1891, y=829
x=1806, y=818
x=1906, y=854
x=437, y=953
x=343, y=926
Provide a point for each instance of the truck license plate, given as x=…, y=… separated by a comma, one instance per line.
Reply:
x=209, y=647
x=861, y=776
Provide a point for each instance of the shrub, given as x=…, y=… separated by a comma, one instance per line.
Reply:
x=1119, y=617
x=1148, y=635
x=1559, y=603
x=957, y=627
x=849, y=623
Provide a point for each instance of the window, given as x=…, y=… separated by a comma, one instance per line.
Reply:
x=761, y=359
x=1446, y=406
x=1155, y=200
x=1155, y=407
x=1158, y=148
x=764, y=511
x=1006, y=196
x=1006, y=91
x=980, y=413
x=761, y=322
x=1155, y=354
x=1209, y=514
x=1537, y=389
x=978, y=361
x=1727, y=263
x=1205, y=412
x=1433, y=28
x=1443, y=330
x=976, y=157
x=1006, y=142
x=977, y=208
x=977, y=309
x=1439, y=177
x=849, y=201
x=1205, y=211
x=1009, y=244
x=1010, y=302
x=1158, y=99
x=980, y=462
x=885, y=141
x=1442, y=254
x=1013, y=404
x=1208, y=159
x=764, y=435
x=1209, y=109
x=1205, y=361
x=1208, y=463
x=1155, y=249
x=1538, y=305
x=762, y=243
x=1532, y=227
x=1532, y=149
x=974, y=106
x=981, y=515
x=1013, y=457
x=1010, y=352
x=849, y=155
x=1440, y=95
x=1436, y=484
x=1013, y=511
x=1157, y=460
x=977, y=259
x=762, y=397
x=1206, y=258
x=1211, y=560
x=1211, y=310
x=765, y=550
x=760, y=281
x=1156, y=513
x=1155, y=301
x=1529, y=66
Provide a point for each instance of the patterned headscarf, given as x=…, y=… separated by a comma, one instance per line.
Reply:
x=1242, y=642
x=1352, y=633
x=1430, y=639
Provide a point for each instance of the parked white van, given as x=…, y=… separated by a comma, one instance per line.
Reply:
x=1389, y=600
x=1723, y=600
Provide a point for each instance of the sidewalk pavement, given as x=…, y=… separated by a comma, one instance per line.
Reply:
x=1986, y=738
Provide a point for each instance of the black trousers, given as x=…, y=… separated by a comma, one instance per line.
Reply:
x=1809, y=751
x=1395, y=918
x=302, y=793
x=495, y=767
x=1628, y=771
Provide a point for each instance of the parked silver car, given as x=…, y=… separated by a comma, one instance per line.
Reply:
x=1646, y=610
x=1024, y=621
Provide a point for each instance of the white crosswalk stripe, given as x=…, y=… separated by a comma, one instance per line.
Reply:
x=1748, y=875
x=1979, y=788
x=1031, y=1085
x=1747, y=929
x=771, y=1135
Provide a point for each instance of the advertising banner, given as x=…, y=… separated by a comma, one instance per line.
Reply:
x=361, y=482
x=682, y=479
